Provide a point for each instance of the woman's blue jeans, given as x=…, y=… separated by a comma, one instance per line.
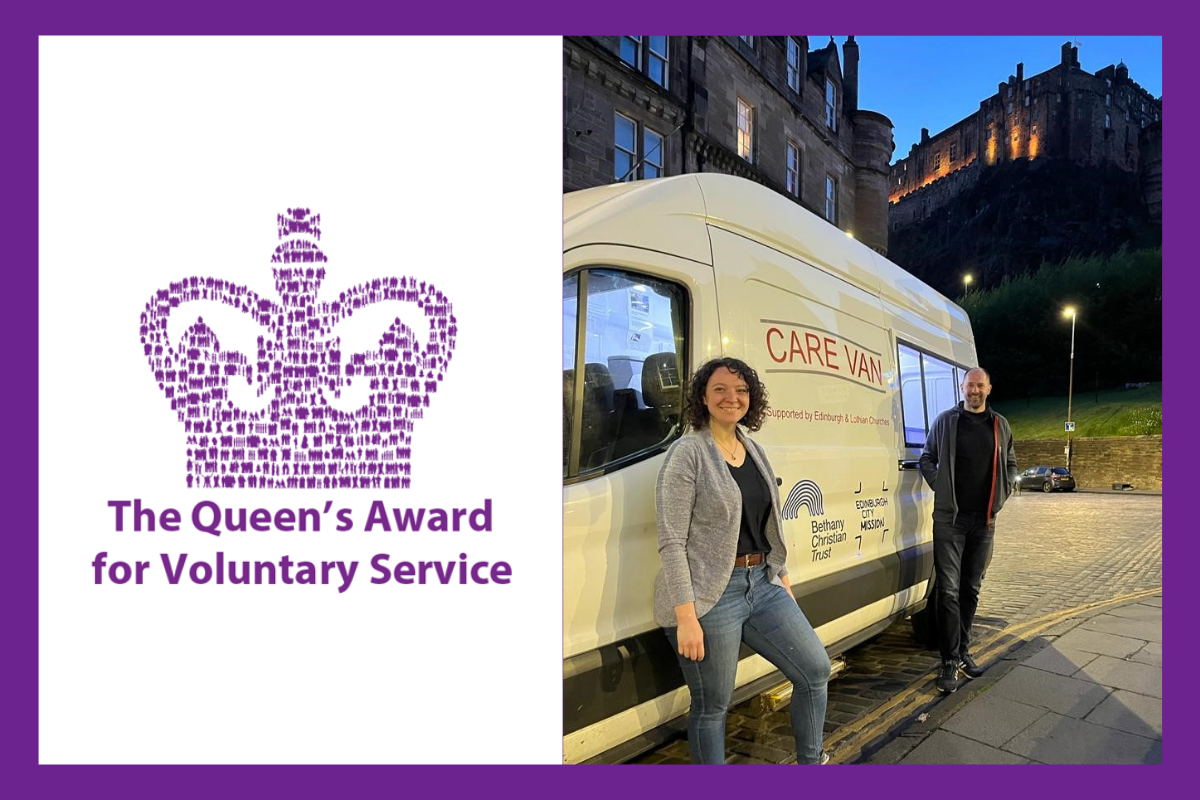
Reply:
x=756, y=611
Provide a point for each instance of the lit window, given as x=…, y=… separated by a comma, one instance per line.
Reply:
x=793, y=64
x=793, y=169
x=631, y=51
x=745, y=130
x=652, y=146
x=830, y=105
x=831, y=199
x=625, y=151
x=647, y=54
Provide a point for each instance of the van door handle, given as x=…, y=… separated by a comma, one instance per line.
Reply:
x=779, y=481
x=913, y=464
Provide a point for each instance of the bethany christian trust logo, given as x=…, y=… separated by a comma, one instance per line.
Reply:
x=298, y=440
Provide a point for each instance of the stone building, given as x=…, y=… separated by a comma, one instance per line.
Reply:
x=760, y=107
x=1062, y=113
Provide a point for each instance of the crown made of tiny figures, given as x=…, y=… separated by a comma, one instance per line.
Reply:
x=298, y=440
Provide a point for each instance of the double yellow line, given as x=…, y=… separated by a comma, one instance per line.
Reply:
x=847, y=743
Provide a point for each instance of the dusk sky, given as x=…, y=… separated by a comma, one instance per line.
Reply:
x=935, y=81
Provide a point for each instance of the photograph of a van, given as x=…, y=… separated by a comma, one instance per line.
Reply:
x=858, y=357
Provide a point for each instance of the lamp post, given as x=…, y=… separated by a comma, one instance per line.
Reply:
x=1069, y=311
x=967, y=283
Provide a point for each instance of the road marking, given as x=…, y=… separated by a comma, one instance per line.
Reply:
x=849, y=740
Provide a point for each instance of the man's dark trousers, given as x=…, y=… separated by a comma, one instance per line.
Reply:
x=961, y=554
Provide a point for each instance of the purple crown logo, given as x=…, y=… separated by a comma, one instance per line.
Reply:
x=298, y=440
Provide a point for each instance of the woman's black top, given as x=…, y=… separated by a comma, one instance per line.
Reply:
x=756, y=507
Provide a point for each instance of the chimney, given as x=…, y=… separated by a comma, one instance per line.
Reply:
x=1020, y=73
x=924, y=135
x=850, y=76
x=1070, y=55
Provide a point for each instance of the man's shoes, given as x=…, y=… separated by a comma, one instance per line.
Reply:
x=824, y=757
x=968, y=667
x=947, y=679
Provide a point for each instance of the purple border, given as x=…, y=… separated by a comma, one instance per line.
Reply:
x=19, y=53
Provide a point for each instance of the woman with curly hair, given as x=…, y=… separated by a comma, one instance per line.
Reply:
x=724, y=564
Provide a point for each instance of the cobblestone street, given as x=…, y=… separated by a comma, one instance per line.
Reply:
x=1053, y=553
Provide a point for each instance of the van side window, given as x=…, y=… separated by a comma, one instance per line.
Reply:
x=911, y=397
x=941, y=389
x=628, y=371
x=928, y=386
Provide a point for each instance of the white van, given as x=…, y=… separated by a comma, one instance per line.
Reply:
x=858, y=357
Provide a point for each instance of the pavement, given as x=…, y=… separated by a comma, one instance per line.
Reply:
x=1061, y=562
x=1083, y=688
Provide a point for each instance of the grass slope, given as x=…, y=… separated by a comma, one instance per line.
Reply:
x=1118, y=412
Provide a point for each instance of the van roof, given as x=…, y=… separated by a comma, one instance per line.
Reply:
x=671, y=215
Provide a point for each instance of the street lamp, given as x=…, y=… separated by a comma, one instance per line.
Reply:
x=1069, y=311
x=967, y=282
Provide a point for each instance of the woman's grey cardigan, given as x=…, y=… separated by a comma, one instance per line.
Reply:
x=699, y=519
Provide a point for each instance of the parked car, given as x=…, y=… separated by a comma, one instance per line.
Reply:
x=1048, y=479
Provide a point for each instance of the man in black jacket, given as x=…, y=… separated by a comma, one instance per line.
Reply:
x=970, y=464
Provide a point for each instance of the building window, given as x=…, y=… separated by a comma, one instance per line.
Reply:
x=647, y=54
x=1108, y=101
x=793, y=64
x=793, y=169
x=625, y=151
x=831, y=199
x=631, y=51
x=657, y=59
x=745, y=130
x=937, y=161
x=1107, y=121
x=1010, y=108
x=953, y=152
x=830, y=105
x=749, y=40
x=652, y=147
x=1027, y=101
x=628, y=162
